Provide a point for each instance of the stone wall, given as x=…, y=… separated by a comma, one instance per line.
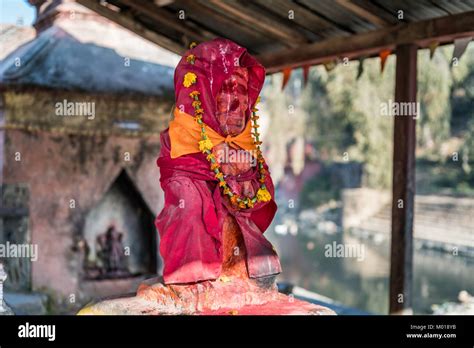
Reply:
x=68, y=174
x=358, y=204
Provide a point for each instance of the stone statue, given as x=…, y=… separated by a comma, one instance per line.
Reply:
x=110, y=254
x=218, y=196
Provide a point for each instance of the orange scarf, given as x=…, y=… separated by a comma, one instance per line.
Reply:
x=185, y=133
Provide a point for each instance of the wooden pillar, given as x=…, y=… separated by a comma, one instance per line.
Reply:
x=404, y=142
x=2, y=145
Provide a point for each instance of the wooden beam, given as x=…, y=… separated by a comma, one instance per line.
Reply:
x=162, y=3
x=403, y=200
x=363, y=13
x=209, y=18
x=133, y=25
x=276, y=29
x=164, y=18
x=303, y=17
x=443, y=29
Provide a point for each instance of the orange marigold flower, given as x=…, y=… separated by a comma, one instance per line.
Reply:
x=233, y=199
x=242, y=205
x=194, y=94
x=222, y=183
x=226, y=190
x=215, y=166
x=219, y=175
x=191, y=58
x=196, y=103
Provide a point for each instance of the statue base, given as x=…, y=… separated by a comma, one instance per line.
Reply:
x=224, y=296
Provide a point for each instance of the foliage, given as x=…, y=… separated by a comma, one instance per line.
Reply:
x=345, y=120
x=342, y=117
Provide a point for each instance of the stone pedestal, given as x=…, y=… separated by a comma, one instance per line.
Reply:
x=224, y=296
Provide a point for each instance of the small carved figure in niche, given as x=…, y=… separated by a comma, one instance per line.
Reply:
x=111, y=259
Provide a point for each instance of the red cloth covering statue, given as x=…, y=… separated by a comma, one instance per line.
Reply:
x=218, y=198
x=218, y=192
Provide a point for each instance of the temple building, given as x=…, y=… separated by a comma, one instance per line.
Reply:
x=82, y=102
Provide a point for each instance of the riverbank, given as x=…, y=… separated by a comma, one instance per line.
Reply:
x=443, y=223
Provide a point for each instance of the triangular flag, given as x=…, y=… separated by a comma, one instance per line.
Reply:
x=286, y=77
x=330, y=64
x=360, y=69
x=460, y=46
x=383, y=58
x=305, y=74
x=433, y=46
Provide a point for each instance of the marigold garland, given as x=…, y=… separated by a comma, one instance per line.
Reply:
x=191, y=59
x=205, y=146
x=189, y=79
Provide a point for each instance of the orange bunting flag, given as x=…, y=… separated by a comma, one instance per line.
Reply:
x=383, y=58
x=360, y=69
x=330, y=64
x=305, y=74
x=460, y=46
x=286, y=77
x=433, y=46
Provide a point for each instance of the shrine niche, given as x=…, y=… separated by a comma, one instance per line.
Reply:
x=117, y=237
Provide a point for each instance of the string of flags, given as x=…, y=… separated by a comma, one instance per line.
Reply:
x=460, y=46
x=383, y=58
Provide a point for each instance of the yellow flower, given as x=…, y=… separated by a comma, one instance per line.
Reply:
x=263, y=195
x=189, y=79
x=194, y=94
x=192, y=45
x=250, y=204
x=205, y=144
x=191, y=58
x=258, y=100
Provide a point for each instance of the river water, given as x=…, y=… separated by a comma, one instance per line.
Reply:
x=363, y=282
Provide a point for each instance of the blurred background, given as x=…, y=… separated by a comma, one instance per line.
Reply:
x=72, y=185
